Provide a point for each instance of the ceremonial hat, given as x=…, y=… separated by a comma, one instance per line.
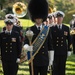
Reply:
x=38, y=9
x=59, y=14
x=8, y=21
x=50, y=16
x=10, y=18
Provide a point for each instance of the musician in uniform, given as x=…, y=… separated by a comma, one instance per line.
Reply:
x=15, y=26
x=61, y=44
x=10, y=49
x=38, y=10
x=72, y=31
x=51, y=22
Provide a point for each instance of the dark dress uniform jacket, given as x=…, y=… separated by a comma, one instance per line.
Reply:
x=10, y=46
x=41, y=58
x=61, y=40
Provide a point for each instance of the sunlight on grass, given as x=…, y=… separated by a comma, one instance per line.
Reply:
x=24, y=23
x=23, y=72
x=70, y=65
x=71, y=72
x=70, y=62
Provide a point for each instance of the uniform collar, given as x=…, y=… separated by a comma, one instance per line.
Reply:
x=6, y=31
x=41, y=26
x=60, y=25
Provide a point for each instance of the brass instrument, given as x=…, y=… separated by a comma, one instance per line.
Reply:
x=50, y=10
x=72, y=31
x=19, y=9
x=23, y=57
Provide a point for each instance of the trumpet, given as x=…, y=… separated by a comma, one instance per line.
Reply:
x=19, y=9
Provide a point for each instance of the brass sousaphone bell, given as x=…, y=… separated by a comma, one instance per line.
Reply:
x=19, y=9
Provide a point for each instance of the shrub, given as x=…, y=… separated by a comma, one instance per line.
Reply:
x=2, y=15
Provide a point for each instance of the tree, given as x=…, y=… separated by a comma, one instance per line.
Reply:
x=2, y=2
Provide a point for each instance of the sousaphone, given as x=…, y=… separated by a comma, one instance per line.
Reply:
x=19, y=9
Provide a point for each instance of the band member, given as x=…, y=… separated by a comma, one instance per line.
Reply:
x=72, y=31
x=51, y=22
x=15, y=26
x=54, y=18
x=41, y=40
x=10, y=49
x=12, y=17
x=47, y=21
x=61, y=44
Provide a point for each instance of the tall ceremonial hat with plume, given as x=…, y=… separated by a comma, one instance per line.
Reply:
x=38, y=9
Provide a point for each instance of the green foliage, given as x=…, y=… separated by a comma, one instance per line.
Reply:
x=68, y=16
x=2, y=1
x=2, y=15
x=62, y=5
x=66, y=6
x=8, y=10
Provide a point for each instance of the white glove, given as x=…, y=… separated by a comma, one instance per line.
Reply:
x=28, y=48
x=50, y=63
x=69, y=53
x=18, y=60
x=51, y=57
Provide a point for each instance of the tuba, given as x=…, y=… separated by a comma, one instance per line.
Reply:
x=19, y=9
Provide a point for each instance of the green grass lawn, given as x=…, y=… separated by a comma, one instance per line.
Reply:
x=24, y=22
x=70, y=67
x=23, y=67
